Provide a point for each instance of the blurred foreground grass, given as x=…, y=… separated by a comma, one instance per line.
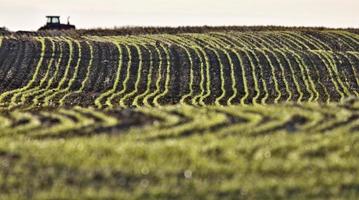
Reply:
x=204, y=163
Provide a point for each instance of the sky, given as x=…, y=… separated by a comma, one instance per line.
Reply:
x=30, y=14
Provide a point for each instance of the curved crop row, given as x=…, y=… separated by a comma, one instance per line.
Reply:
x=181, y=121
x=198, y=69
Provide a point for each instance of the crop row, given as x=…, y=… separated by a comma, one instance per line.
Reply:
x=197, y=69
x=181, y=121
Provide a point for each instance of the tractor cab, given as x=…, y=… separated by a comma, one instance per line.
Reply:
x=53, y=23
x=53, y=19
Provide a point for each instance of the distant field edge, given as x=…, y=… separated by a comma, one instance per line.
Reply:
x=137, y=30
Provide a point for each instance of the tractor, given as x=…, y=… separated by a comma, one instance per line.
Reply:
x=53, y=23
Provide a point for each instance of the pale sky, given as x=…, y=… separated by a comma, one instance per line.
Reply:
x=30, y=14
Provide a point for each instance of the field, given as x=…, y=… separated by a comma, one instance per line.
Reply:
x=264, y=114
